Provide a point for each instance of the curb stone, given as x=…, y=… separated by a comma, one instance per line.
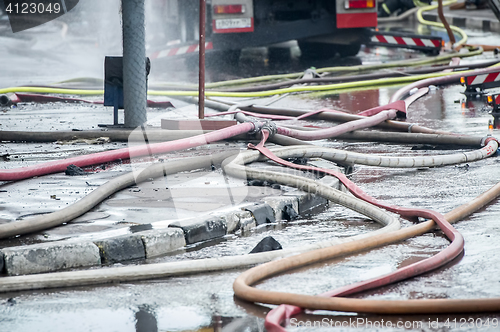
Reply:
x=233, y=221
x=151, y=243
x=162, y=241
x=278, y=204
x=198, y=231
x=121, y=248
x=48, y=257
x=238, y=219
x=262, y=213
x=247, y=222
x=309, y=204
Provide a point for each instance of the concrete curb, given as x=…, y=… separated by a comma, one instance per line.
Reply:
x=262, y=213
x=279, y=205
x=55, y=256
x=48, y=257
x=202, y=230
x=159, y=242
x=121, y=248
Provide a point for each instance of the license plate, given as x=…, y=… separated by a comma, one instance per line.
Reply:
x=233, y=23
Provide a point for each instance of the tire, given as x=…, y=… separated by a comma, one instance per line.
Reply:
x=311, y=50
x=317, y=50
x=228, y=57
x=349, y=50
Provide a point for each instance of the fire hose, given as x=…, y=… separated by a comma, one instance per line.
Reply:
x=253, y=275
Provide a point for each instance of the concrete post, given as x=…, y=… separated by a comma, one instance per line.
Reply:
x=134, y=63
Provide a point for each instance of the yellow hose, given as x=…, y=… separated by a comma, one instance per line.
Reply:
x=295, y=89
x=421, y=20
x=344, y=69
x=331, y=87
x=58, y=91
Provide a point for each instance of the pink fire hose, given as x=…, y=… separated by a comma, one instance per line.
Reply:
x=125, y=153
x=340, y=129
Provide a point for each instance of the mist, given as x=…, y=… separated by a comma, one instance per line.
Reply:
x=71, y=46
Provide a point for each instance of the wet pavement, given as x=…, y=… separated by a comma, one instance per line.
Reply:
x=206, y=302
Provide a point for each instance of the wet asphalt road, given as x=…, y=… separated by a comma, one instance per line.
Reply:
x=206, y=301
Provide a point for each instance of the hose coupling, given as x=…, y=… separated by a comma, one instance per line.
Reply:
x=5, y=101
x=270, y=127
x=257, y=127
x=488, y=139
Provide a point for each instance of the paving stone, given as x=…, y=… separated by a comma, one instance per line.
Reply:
x=49, y=257
x=122, y=248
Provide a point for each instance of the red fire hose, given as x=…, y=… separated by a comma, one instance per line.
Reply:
x=126, y=153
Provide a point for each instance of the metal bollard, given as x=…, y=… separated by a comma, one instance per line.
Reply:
x=134, y=63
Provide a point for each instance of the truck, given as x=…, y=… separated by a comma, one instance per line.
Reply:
x=321, y=27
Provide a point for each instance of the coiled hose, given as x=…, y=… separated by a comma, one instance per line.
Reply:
x=445, y=256
x=417, y=268
x=242, y=289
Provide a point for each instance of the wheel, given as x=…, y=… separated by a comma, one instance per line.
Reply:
x=349, y=50
x=310, y=50
x=228, y=57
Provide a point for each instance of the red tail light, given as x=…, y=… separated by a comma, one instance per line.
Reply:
x=359, y=4
x=229, y=9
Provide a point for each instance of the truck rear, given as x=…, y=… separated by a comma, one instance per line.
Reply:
x=321, y=27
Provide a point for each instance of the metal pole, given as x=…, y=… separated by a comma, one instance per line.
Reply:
x=134, y=63
x=445, y=23
x=201, y=81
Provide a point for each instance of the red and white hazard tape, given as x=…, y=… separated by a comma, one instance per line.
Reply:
x=406, y=41
x=481, y=79
x=180, y=50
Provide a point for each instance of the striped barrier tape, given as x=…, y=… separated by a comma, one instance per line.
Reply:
x=180, y=50
x=477, y=83
x=418, y=42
